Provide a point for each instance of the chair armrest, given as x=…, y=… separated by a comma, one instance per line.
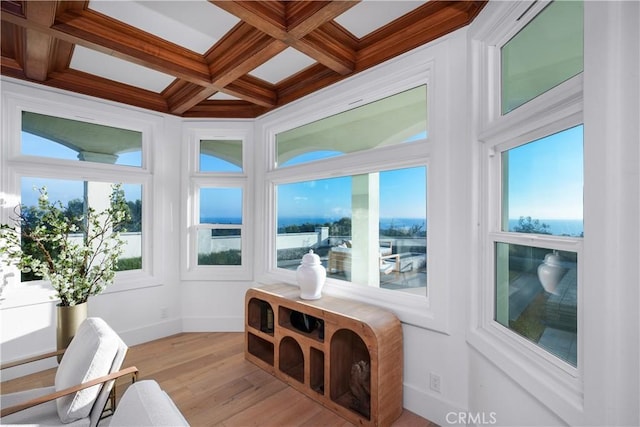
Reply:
x=397, y=260
x=32, y=359
x=133, y=371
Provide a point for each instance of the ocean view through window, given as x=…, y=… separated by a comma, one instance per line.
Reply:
x=542, y=185
x=367, y=229
x=536, y=287
x=217, y=203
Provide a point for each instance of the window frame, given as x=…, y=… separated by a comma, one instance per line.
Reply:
x=19, y=165
x=495, y=234
x=494, y=144
x=525, y=13
x=548, y=377
x=423, y=67
x=195, y=180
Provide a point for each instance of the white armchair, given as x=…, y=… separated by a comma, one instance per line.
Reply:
x=83, y=382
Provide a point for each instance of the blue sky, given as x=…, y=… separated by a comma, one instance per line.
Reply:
x=402, y=195
x=546, y=177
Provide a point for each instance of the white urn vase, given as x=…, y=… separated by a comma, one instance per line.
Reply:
x=550, y=272
x=311, y=276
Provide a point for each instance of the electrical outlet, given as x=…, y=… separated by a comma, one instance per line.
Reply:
x=164, y=312
x=434, y=382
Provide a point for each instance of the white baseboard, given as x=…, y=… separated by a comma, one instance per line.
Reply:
x=213, y=324
x=427, y=405
x=151, y=332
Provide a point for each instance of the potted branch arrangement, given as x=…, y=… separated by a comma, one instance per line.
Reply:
x=76, y=253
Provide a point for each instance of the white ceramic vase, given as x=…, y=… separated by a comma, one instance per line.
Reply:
x=311, y=276
x=550, y=272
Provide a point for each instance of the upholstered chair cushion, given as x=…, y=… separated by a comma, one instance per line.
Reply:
x=89, y=355
x=144, y=403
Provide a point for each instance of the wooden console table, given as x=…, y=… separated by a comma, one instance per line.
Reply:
x=347, y=335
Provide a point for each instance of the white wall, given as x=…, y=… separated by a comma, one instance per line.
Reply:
x=471, y=383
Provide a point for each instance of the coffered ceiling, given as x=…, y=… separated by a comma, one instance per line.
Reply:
x=213, y=59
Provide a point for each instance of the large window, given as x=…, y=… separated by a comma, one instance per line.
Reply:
x=368, y=223
x=536, y=178
x=217, y=205
x=78, y=161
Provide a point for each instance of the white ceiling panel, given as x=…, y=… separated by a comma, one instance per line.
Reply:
x=221, y=96
x=112, y=68
x=369, y=15
x=283, y=65
x=194, y=24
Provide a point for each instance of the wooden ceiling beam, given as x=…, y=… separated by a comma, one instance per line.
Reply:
x=182, y=95
x=38, y=48
x=252, y=89
x=305, y=82
x=331, y=46
x=92, y=85
x=38, y=38
x=129, y=43
x=12, y=68
x=241, y=50
x=12, y=42
x=420, y=26
x=301, y=24
x=226, y=109
x=303, y=17
x=14, y=7
x=98, y=32
x=257, y=14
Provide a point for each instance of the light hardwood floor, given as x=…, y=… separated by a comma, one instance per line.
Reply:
x=213, y=385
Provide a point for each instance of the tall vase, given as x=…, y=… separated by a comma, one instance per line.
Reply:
x=311, y=275
x=69, y=319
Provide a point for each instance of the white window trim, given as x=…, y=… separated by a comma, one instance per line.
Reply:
x=422, y=66
x=555, y=383
x=18, y=166
x=193, y=133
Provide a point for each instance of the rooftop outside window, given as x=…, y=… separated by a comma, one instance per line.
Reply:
x=545, y=53
x=59, y=138
x=397, y=119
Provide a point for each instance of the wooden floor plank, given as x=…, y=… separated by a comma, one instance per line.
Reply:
x=214, y=386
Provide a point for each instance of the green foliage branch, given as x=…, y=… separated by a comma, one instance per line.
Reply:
x=529, y=225
x=45, y=241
